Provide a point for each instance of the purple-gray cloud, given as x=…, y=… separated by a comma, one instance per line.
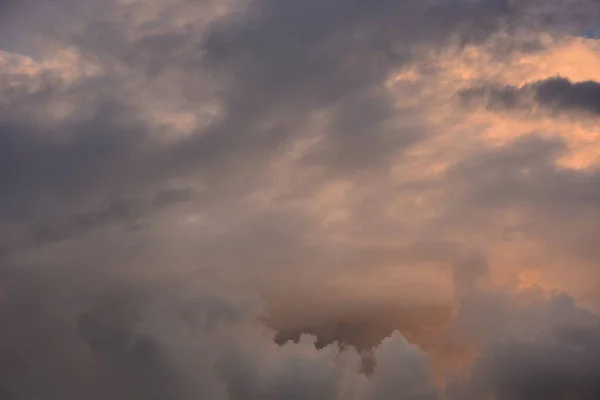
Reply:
x=254, y=199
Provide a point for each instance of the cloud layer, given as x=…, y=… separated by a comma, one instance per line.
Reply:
x=270, y=199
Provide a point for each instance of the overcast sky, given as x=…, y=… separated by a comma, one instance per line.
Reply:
x=299, y=200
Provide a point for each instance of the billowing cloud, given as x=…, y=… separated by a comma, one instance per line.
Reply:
x=260, y=199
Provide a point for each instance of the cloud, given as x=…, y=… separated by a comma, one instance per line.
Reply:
x=553, y=371
x=555, y=94
x=187, y=185
x=548, y=351
x=123, y=344
x=117, y=211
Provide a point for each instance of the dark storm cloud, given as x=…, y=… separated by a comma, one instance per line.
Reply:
x=556, y=94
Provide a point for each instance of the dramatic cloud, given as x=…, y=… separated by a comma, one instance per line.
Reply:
x=320, y=199
x=557, y=94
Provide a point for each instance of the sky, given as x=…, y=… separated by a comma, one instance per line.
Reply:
x=299, y=200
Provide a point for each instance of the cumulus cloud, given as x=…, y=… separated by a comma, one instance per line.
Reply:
x=266, y=199
x=120, y=343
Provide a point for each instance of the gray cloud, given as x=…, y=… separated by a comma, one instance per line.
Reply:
x=278, y=69
x=550, y=351
x=101, y=271
x=563, y=94
x=123, y=344
x=524, y=177
x=553, y=371
x=6, y=4
x=68, y=160
x=556, y=94
x=125, y=210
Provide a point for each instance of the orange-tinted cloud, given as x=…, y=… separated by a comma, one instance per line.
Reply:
x=167, y=164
